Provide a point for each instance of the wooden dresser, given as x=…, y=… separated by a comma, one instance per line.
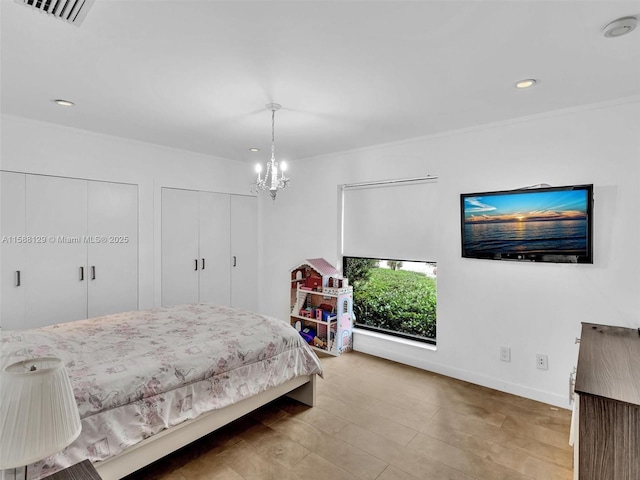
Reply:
x=608, y=382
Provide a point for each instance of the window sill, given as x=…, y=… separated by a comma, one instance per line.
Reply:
x=392, y=340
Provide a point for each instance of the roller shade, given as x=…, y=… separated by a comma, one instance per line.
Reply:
x=395, y=219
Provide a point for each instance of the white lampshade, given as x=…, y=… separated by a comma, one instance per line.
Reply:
x=38, y=412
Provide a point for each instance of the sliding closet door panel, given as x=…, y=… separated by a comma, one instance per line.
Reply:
x=112, y=248
x=13, y=251
x=244, y=252
x=215, y=286
x=180, y=256
x=56, y=209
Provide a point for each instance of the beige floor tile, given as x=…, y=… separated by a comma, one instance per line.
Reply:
x=370, y=397
x=393, y=473
x=251, y=465
x=350, y=458
x=521, y=460
x=552, y=437
x=273, y=445
x=541, y=470
x=373, y=417
x=506, y=437
x=458, y=438
x=403, y=458
x=475, y=466
x=439, y=395
x=208, y=471
x=314, y=467
x=390, y=392
x=554, y=419
x=318, y=417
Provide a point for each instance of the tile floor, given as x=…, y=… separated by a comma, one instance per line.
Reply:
x=379, y=420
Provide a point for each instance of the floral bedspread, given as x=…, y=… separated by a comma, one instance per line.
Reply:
x=137, y=373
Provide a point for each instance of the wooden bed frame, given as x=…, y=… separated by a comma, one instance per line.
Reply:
x=153, y=448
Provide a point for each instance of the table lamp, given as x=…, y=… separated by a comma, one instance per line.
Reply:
x=38, y=412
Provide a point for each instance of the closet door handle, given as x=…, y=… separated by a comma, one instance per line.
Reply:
x=196, y=260
x=203, y=264
x=93, y=272
x=235, y=261
x=17, y=278
x=81, y=274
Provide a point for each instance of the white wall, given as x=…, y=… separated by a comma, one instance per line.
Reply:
x=43, y=148
x=482, y=305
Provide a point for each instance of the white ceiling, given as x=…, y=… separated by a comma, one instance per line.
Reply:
x=196, y=75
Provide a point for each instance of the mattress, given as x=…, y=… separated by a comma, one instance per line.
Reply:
x=135, y=374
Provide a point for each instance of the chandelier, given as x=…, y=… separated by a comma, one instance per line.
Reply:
x=271, y=181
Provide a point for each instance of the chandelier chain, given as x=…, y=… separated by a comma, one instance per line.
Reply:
x=273, y=133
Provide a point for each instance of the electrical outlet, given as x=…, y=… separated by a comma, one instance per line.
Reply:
x=505, y=354
x=542, y=362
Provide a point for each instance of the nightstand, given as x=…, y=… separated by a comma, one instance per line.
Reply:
x=80, y=471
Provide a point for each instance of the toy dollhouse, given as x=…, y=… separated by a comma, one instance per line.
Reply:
x=322, y=306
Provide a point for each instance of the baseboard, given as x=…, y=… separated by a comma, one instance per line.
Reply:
x=422, y=355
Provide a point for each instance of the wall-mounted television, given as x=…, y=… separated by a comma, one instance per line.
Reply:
x=550, y=224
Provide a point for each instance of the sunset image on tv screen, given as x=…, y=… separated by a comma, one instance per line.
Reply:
x=527, y=222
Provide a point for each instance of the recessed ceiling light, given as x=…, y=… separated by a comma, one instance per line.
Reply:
x=526, y=83
x=620, y=27
x=254, y=149
x=63, y=103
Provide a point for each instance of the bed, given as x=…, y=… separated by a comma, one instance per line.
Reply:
x=151, y=381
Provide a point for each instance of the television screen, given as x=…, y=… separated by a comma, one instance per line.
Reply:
x=551, y=224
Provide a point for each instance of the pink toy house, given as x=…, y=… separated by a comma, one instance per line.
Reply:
x=318, y=287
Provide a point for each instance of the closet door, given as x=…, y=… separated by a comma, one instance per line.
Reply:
x=244, y=252
x=12, y=250
x=214, y=240
x=112, y=248
x=180, y=256
x=56, y=292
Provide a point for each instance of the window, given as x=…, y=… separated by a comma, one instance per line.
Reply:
x=395, y=297
x=386, y=226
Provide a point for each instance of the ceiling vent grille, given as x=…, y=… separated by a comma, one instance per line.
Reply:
x=71, y=11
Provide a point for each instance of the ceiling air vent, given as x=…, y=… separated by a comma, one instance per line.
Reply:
x=71, y=11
